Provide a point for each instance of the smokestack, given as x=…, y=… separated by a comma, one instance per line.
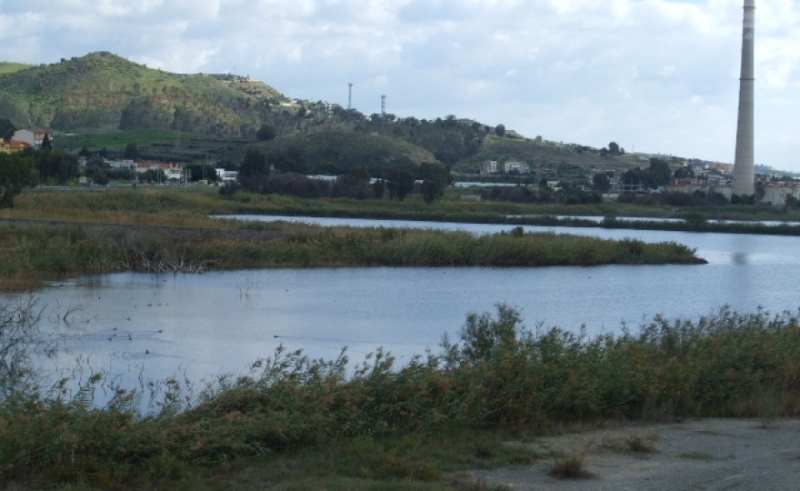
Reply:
x=744, y=163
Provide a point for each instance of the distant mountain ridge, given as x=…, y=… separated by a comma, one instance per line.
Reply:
x=104, y=92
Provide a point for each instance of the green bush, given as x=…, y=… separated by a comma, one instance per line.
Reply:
x=497, y=374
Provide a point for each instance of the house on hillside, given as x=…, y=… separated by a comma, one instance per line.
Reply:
x=172, y=171
x=517, y=166
x=227, y=176
x=33, y=138
x=722, y=168
x=488, y=167
x=12, y=146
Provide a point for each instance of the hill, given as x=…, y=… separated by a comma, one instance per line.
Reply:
x=104, y=92
x=6, y=67
x=104, y=102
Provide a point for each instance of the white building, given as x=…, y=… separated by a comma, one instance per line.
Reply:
x=33, y=138
x=488, y=167
x=517, y=166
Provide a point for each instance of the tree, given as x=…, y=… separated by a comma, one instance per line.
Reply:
x=435, y=179
x=400, y=181
x=132, y=151
x=683, y=172
x=16, y=173
x=601, y=183
x=100, y=177
x=201, y=171
x=500, y=130
x=254, y=169
x=153, y=175
x=289, y=159
x=615, y=149
x=266, y=133
x=357, y=175
x=47, y=144
x=659, y=170
x=7, y=129
x=97, y=170
x=636, y=178
x=56, y=166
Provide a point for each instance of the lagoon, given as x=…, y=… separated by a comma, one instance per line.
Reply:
x=138, y=327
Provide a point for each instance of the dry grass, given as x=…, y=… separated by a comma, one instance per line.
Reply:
x=642, y=443
x=570, y=464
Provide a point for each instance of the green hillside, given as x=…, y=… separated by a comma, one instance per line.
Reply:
x=336, y=151
x=101, y=102
x=102, y=91
x=6, y=67
x=552, y=158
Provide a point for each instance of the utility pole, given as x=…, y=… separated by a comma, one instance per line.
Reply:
x=383, y=113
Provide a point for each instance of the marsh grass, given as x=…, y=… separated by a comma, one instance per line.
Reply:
x=48, y=250
x=375, y=415
x=155, y=205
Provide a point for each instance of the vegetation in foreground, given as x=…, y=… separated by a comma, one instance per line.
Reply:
x=296, y=423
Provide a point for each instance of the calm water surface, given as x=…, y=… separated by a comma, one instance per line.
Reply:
x=141, y=326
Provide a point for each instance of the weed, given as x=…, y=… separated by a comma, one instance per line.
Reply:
x=642, y=443
x=570, y=464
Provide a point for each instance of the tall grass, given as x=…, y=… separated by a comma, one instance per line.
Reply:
x=59, y=250
x=498, y=374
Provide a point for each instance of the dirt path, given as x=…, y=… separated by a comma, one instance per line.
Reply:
x=711, y=455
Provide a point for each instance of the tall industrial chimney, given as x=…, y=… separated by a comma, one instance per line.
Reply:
x=744, y=163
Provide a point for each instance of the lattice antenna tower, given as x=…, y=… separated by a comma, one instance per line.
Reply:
x=350, y=96
x=383, y=112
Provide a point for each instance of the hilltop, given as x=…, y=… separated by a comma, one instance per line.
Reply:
x=105, y=92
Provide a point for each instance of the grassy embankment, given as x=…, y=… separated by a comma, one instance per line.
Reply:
x=303, y=424
x=162, y=230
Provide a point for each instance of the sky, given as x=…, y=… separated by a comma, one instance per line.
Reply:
x=655, y=76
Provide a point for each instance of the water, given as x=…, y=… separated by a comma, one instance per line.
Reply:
x=137, y=327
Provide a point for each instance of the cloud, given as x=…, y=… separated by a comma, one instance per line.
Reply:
x=658, y=75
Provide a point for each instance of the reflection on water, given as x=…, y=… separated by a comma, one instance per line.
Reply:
x=740, y=258
x=136, y=327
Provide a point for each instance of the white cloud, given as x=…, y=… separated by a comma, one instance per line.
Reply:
x=660, y=75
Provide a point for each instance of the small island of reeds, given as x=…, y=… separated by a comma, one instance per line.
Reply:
x=57, y=234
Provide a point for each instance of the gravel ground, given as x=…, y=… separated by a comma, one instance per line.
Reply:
x=711, y=455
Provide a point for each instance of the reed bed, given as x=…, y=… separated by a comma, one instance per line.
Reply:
x=59, y=250
x=497, y=374
x=190, y=206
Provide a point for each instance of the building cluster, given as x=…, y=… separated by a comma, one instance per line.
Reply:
x=509, y=167
x=171, y=171
x=23, y=139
